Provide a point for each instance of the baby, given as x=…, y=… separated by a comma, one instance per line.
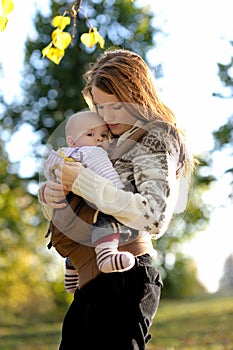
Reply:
x=88, y=140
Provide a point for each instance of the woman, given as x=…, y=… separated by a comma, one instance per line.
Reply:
x=115, y=310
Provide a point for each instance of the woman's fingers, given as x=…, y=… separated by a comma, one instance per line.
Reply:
x=54, y=195
x=68, y=174
x=58, y=175
x=55, y=192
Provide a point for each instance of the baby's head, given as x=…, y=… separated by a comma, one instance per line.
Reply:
x=87, y=129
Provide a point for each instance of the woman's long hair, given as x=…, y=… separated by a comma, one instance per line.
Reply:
x=126, y=75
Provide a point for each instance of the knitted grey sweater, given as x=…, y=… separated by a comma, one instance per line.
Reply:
x=152, y=166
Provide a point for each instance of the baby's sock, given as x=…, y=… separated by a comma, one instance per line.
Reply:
x=109, y=259
x=71, y=279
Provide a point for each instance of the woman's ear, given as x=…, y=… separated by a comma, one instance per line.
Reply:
x=70, y=141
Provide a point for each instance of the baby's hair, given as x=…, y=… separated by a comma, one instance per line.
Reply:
x=81, y=117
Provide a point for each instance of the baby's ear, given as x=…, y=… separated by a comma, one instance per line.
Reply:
x=70, y=141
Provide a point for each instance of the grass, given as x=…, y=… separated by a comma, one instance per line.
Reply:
x=179, y=325
x=30, y=337
x=193, y=325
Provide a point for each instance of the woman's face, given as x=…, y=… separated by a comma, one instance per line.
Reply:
x=112, y=111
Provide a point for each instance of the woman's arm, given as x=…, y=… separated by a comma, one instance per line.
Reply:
x=154, y=174
x=145, y=211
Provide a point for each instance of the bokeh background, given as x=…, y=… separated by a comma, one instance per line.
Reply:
x=189, y=47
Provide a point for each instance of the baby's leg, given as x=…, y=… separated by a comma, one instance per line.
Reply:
x=71, y=277
x=109, y=259
x=105, y=239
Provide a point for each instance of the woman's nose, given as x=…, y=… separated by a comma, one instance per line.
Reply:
x=107, y=114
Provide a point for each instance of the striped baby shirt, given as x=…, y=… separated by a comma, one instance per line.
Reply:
x=92, y=157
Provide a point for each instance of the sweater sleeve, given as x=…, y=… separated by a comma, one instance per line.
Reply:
x=152, y=207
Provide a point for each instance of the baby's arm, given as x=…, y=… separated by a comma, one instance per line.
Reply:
x=51, y=163
x=56, y=158
x=97, y=159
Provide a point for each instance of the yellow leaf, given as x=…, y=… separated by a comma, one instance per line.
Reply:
x=46, y=49
x=60, y=39
x=3, y=23
x=61, y=22
x=7, y=6
x=87, y=39
x=92, y=38
x=54, y=54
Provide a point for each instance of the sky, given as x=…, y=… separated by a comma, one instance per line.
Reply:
x=198, y=34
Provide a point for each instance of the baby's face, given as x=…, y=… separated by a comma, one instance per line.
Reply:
x=98, y=136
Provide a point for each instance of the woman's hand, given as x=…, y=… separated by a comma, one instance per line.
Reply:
x=55, y=194
x=68, y=174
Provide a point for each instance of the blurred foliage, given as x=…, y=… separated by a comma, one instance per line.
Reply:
x=224, y=141
x=180, y=281
x=224, y=135
x=24, y=265
x=226, y=282
x=31, y=276
x=196, y=217
x=53, y=93
x=175, y=267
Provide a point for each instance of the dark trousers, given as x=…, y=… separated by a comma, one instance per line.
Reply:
x=114, y=311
